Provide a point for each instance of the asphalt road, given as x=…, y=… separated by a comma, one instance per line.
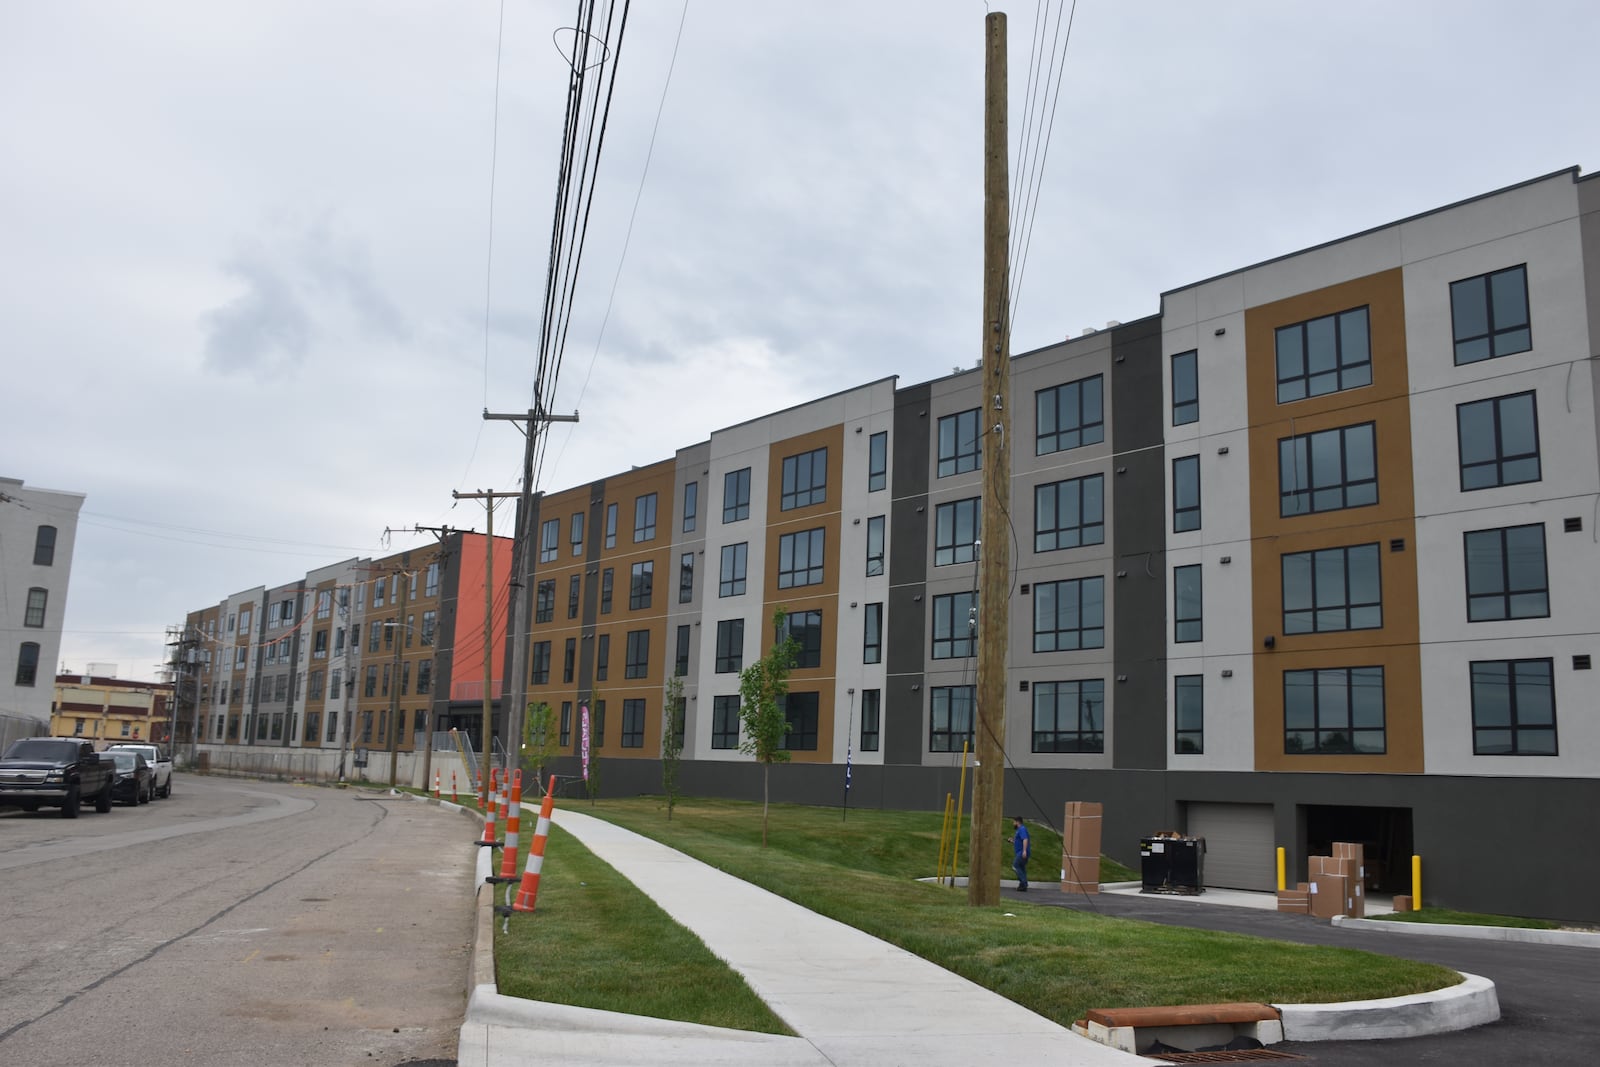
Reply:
x=1547, y=993
x=237, y=922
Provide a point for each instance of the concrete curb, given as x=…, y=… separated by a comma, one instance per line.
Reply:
x=1570, y=938
x=1471, y=1003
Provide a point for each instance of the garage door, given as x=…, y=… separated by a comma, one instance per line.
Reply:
x=1240, y=850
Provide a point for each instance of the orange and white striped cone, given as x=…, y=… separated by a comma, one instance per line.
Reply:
x=453, y=787
x=528, y=894
x=502, y=795
x=488, y=840
x=436, y=784
x=480, y=793
x=508, y=861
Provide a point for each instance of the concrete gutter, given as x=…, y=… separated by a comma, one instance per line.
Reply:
x=1570, y=938
x=1472, y=1003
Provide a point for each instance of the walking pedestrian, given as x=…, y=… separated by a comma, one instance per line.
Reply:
x=1020, y=851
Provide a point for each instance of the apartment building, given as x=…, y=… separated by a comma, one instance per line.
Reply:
x=38, y=528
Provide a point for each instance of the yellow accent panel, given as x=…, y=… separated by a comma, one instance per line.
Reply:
x=1386, y=404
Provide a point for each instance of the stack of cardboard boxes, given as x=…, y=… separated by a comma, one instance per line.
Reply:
x=1336, y=885
x=1080, y=847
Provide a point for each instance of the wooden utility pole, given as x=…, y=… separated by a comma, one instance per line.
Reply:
x=400, y=630
x=994, y=425
x=486, y=742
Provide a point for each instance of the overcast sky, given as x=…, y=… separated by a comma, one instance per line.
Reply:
x=245, y=266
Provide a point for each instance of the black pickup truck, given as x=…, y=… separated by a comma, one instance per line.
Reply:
x=55, y=772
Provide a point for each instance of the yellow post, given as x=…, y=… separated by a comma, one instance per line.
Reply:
x=961, y=794
x=1282, y=883
x=944, y=834
x=1416, y=883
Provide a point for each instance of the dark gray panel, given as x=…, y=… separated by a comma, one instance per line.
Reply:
x=908, y=571
x=593, y=545
x=1139, y=733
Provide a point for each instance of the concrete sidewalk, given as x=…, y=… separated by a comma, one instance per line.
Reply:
x=852, y=998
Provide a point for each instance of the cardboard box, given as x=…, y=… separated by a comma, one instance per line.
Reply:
x=1080, y=846
x=1402, y=904
x=1294, y=900
x=1328, y=895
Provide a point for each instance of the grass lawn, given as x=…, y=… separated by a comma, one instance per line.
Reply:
x=1466, y=918
x=863, y=870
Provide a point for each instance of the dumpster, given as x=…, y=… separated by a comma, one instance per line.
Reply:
x=1172, y=864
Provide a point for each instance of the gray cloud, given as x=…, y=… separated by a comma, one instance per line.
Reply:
x=264, y=330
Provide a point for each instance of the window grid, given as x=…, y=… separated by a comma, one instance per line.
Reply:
x=871, y=714
x=1333, y=711
x=1185, y=494
x=1498, y=440
x=1188, y=604
x=544, y=604
x=641, y=585
x=875, y=545
x=1328, y=470
x=730, y=646
x=1489, y=315
x=878, y=461
x=1507, y=577
x=549, y=540
x=633, y=724
x=1185, y=388
x=956, y=525
x=725, y=722
x=801, y=712
x=731, y=581
x=1069, y=416
x=806, y=628
x=872, y=634
x=800, y=559
x=1188, y=714
x=638, y=661
x=1069, y=716
x=805, y=480
x=1324, y=355
x=1514, y=708
x=1332, y=589
x=1069, y=615
x=955, y=625
x=644, y=518
x=950, y=717
x=960, y=443
x=686, y=578
x=691, y=506
x=736, y=495
x=1069, y=514
x=680, y=663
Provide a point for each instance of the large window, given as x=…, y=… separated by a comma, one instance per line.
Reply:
x=730, y=646
x=801, y=711
x=1324, y=355
x=1069, y=716
x=959, y=443
x=806, y=628
x=544, y=608
x=611, y=525
x=1332, y=589
x=950, y=721
x=1489, y=315
x=1069, y=615
x=1499, y=441
x=33, y=615
x=574, y=594
x=1069, y=416
x=602, y=658
x=1506, y=574
x=875, y=540
x=1327, y=470
x=955, y=625
x=872, y=634
x=805, y=480
x=44, y=547
x=644, y=518
x=724, y=722
x=871, y=714
x=1513, y=708
x=736, y=495
x=732, y=578
x=1185, y=494
x=1188, y=604
x=27, y=663
x=1333, y=711
x=541, y=663
x=955, y=532
x=1185, y=388
x=575, y=533
x=607, y=582
x=691, y=506
x=800, y=559
x=638, y=662
x=1189, y=714
x=641, y=585
x=549, y=540
x=878, y=461
x=680, y=665
x=1069, y=514
x=633, y=724
x=686, y=578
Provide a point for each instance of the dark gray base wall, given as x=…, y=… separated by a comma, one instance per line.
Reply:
x=1510, y=846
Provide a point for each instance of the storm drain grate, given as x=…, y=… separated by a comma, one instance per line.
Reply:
x=1238, y=1055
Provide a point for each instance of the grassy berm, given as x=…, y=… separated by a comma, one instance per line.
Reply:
x=603, y=944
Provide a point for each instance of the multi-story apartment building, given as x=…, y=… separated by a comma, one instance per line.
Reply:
x=1309, y=555
x=111, y=709
x=38, y=528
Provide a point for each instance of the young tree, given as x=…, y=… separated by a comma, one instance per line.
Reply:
x=540, y=740
x=671, y=740
x=762, y=688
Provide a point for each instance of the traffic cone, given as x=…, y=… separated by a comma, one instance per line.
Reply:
x=529, y=892
x=508, y=861
x=453, y=787
x=436, y=784
x=488, y=823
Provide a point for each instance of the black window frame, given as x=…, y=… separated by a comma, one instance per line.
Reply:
x=644, y=518
x=691, y=506
x=566, y=723
x=1501, y=458
x=1185, y=470
x=641, y=584
x=1185, y=379
x=733, y=572
x=806, y=628
x=1051, y=639
x=27, y=675
x=871, y=719
x=1300, y=491
x=602, y=658
x=38, y=605
x=1494, y=329
x=878, y=461
x=686, y=578
x=44, y=546
x=1059, y=400
x=1502, y=551
x=945, y=703
x=795, y=572
x=1478, y=673
x=736, y=495
x=569, y=661
x=611, y=525
x=1355, y=368
x=549, y=540
x=1344, y=600
x=544, y=609
x=575, y=533
x=1053, y=528
x=608, y=581
x=952, y=552
x=680, y=660
x=877, y=540
x=725, y=723
x=954, y=627
x=872, y=632
x=1075, y=726
x=803, y=714
x=539, y=664
x=804, y=479
x=633, y=715
x=1189, y=715
x=730, y=646
x=574, y=595
x=959, y=443
x=1187, y=629
x=636, y=663
x=1335, y=726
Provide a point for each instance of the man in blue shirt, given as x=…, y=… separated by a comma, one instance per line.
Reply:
x=1020, y=852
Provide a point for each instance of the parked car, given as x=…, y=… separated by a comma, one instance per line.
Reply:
x=55, y=772
x=160, y=761
x=135, y=784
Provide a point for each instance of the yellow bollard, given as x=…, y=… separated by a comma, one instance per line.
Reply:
x=1282, y=883
x=1416, y=883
